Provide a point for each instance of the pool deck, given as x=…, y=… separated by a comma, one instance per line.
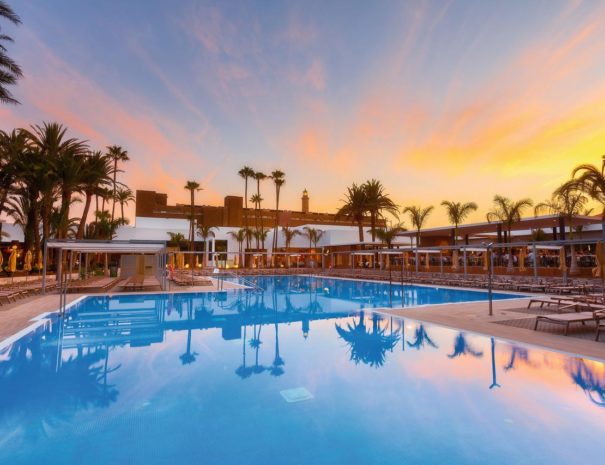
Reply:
x=474, y=317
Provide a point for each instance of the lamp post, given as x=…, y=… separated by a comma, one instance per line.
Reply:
x=489, y=276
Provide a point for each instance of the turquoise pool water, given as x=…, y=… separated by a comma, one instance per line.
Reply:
x=293, y=374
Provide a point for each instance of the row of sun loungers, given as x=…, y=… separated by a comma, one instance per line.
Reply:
x=12, y=292
x=520, y=284
x=92, y=285
x=186, y=279
x=141, y=283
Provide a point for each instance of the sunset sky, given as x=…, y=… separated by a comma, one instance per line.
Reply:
x=439, y=100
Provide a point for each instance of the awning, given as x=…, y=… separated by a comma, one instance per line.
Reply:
x=123, y=247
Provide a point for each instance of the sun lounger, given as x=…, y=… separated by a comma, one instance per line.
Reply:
x=567, y=319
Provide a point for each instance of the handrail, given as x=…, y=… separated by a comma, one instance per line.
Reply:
x=246, y=282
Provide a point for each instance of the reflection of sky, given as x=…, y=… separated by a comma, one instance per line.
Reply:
x=416, y=406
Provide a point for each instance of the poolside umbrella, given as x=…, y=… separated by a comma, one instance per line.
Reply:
x=562, y=263
x=522, y=259
x=1, y=259
x=455, y=260
x=40, y=260
x=600, y=256
x=12, y=261
x=27, y=261
x=180, y=260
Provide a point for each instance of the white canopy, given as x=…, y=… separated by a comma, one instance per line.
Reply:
x=124, y=247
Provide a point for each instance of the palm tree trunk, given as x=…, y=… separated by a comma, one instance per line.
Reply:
x=276, y=217
x=122, y=208
x=373, y=225
x=509, y=265
x=88, y=201
x=246, y=211
x=2, y=202
x=360, y=228
x=115, y=171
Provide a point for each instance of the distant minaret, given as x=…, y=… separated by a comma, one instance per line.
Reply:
x=305, y=202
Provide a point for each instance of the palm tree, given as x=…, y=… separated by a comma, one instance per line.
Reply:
x=124, y=196
x=239, y=236
x=13, y=145
x=314, y=235
x=205, y=233
x=192, y=186
x=418, y=216
x=289, y=235
x=261, y=237
x=258, y=176
x=103, y=227
x=96, y=172
x=388, y=235
x=355, y=207
x=508, y=212
x=62, y=164
x=118, y=155
x=246, y=173
x=591, y=180
x=176, y=239
x=278, y=180
x=378, y=201
x=256, y=199
x=10, y=71
x=457, y=213
x=567, y=202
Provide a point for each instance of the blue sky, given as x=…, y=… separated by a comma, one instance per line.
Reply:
x=504, y=97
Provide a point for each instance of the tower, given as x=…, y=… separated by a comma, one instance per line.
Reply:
x=305, y=201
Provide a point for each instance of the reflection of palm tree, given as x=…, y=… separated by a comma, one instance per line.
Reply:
x=590, y=382
x=188, y=357
x=494, y=380
x=516, y=353
x=243, y=371
x=276, y=368
x=461, y=347
x=368, y=347
x=255, y=343
x=422, y=337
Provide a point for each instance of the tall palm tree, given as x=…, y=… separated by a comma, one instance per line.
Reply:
x=10, y=71
x=457, y=213
x=261, y=237
x=124, y=196
x=566, y=201
x=62, y=158
x=355, y=207
x=205, y=232
x=239, y=236
x=508, y=212
x=278, y=180
x=96, y=172
x=258, y=176
x=246, y=173
x=13, y=146
x=118, y=155
x=257, y=200
x=192, y=187
x=314, y=235
x=418, y=217
x=377, y=201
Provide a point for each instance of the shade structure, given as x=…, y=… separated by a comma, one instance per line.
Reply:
x=27, y=261
x=93, y=246
x=12, y=261
x=40, y=260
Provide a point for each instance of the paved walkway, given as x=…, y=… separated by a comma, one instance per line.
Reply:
x=510, y=321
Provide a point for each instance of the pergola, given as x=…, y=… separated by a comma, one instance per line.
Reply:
x=84, y=246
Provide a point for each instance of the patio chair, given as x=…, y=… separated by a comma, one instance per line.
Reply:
x=566, y=319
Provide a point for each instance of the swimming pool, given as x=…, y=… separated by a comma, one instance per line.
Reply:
x=287, y=376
